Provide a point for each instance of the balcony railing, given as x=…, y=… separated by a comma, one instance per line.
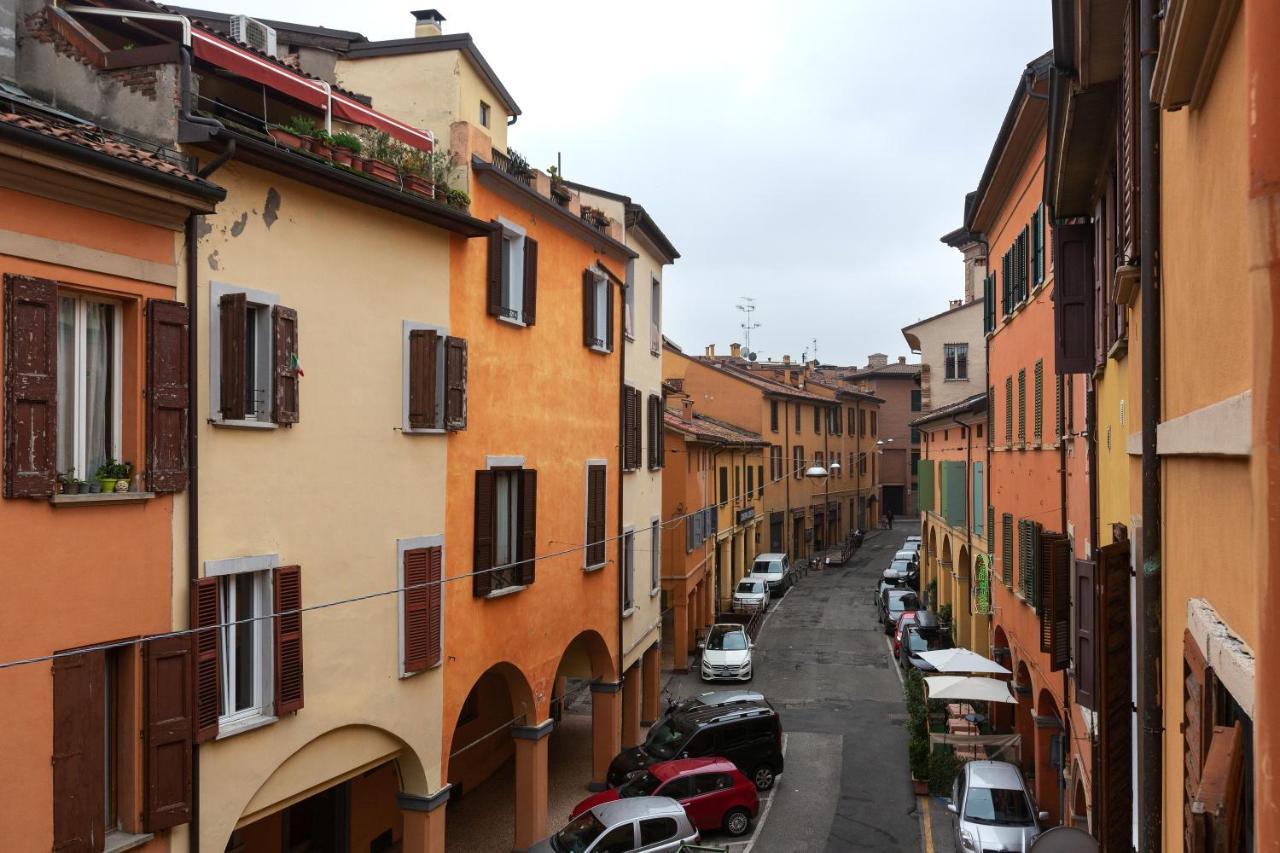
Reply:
x=503, y=163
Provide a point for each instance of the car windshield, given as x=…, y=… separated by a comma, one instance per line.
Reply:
x=767, y=567
x=664, y=740
x=641, y=784
x=727, y=641
x=900, y=566
x=749, y=586
x=916, y=643
x=897, y=604
x=998, y=807
x=578, y=835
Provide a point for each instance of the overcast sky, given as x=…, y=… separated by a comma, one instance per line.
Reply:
x=808, y=154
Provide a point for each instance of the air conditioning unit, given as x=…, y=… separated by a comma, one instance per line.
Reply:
x=254, y=33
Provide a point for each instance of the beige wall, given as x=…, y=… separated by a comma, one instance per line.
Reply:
x=333, y=493
x=962, y=326
x=430, y=90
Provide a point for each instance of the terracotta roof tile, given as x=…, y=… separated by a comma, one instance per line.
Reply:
x=710, y=429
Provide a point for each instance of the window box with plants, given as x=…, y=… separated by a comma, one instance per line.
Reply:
x=346, y=150
x=383, y=155
x=298, y=132
x=114, y=476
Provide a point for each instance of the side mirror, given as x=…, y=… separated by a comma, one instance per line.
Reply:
x=751, y=644
x=1042, y=816
x=951, y=807
x=702, y=644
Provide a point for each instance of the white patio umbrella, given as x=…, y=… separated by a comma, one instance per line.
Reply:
x=968, y=688
x=961, y=660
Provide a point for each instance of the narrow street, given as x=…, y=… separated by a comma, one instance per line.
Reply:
x=821, y=661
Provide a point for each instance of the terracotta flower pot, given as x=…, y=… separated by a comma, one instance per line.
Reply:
x=342, y=156
x=385, y=171
x=321, y=149
x=284, y=137
x=419, y=185
x=920, y=786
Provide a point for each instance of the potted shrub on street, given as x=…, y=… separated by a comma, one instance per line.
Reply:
x=917, y=732
x=346, y=149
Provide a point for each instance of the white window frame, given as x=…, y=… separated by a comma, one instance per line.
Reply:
x=655, y=315
x=586, y=514
x=258, y=300
x=505, y=462
x=655, y=557
x=629, y=303
x=628, y=570
x=601, y=330
x=954, y=362
x=407, y=326
x=403, y=545
x=486, y=114
x=512, y=299
x=78, y=449
x=258, y=569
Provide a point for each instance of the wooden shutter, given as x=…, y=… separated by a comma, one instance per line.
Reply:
x=455, y=383
x=168, y=359
x=1055, y=599
x=167, y=733
x=1008, y=411
x=232, y=310
x=608, y=315
x=30, y=387
x=1037, y=396
x=1022, y=406
x=207, y=700
x=1006, y=549
x=422, y=379
x=78, y=750
x=1127, y=147
x=482, y=538
x=1073, y=298
x=589, y=309
x=654, y=427
x=528, y=525
x=596, y=491
x=529, y=309
x=493, y=282
x=1196, y=732
x=631, y=428
x=1085, y=650
x=1115, y=697
x=1217, y=802
x=287, y=591
x=284, y=336
x=423, y=638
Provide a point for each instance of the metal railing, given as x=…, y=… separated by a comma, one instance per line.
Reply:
x=503, y=164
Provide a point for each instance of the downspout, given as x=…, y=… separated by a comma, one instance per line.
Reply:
x=1150, y=707
x=1095, y=525
x=622, y=386
x=786, y=433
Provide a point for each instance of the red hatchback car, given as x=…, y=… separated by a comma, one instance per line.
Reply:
x=906, y=618
x=714, y=793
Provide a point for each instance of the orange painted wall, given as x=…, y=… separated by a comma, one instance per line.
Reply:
x=84, y=575
x=538, y=393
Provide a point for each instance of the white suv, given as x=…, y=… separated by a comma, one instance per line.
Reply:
x=726, y=654
x=773, y=570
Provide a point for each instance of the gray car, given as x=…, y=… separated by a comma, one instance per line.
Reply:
x=656, y=824
x=993, y=809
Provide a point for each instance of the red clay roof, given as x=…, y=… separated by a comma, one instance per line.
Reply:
x=704, y=428
x=768, y=386
x=94, y=138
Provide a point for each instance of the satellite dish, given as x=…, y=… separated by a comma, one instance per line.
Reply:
x=1065, y=839
x=751, y=356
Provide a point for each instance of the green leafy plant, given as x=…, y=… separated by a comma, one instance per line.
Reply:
x=555, y=175
x=933, y=592
x=379, y=145
x=349, y=141
x=440, y=163
x=917, y=724
x=943, y=766
x=944, y=614
x=519, y=165
x=458, y=199
x=302, y=126
x=415, y=162
x=918, y=756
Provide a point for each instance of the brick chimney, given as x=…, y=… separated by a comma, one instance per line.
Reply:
x=735, y=350
x=877, y=359
x=428, y=22
x=902, y=359
x=786, y=359
x=711, y=350
x=686, y=410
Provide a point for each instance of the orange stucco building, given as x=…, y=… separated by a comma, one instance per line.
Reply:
x=94, y=328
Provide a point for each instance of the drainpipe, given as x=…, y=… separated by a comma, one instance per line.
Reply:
x=1095, y=526
x=622, y=385
x=787, y=526
x=1150, y=706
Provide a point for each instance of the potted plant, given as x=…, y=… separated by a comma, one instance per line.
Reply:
x=106, y=475
x=284, y=136
x=67, y=482
x=414, y=170
x=304, y=128
x=322, y=145
x=123, y=472
x=518, y=166
x=346, y=149
x=559, y=191
x=384, y=154
x=458, y=199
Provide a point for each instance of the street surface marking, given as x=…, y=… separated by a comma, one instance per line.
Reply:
x=768, y=803
x=893, y=662
x=923, y=804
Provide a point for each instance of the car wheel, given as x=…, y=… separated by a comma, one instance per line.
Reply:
x=737, y=821
x=763, y=777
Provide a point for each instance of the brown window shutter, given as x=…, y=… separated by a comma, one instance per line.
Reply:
x=1073, y=298
x=1218, y=801
x=596, y=491
x=1196, y=732
x=168, y=729
x=530, y=307
x=1114, y=697
x=417, y=610
x=435, y=607
x=284, y=335
x=232, y=308
x=493, y=289
x=78, y=745
x=528, y=525
x=588, y=308
x=286, y=589
x=422, y=379
x=482, y=541
x=30, y=387
x=636, y=398
x=167, y=395
x=455, y=383
x=653, y=432
x=208, y=646
x=1086, y=632
x=608, y=317
x=626, y=428
x=1054, y=598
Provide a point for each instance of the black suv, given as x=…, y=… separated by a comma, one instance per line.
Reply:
x=748, y=733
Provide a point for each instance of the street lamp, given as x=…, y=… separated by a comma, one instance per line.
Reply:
x=816, y=472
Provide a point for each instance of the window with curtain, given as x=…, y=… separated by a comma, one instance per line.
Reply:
x=88, y=383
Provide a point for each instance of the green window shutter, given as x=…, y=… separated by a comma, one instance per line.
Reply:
x=1006, y=549
x=1038, y=426
x=1057, y=414
x=951, y=478
x=991, y=526
x=1008, y=411
x=1022, y=406
x=925, y=485
x=978, y=499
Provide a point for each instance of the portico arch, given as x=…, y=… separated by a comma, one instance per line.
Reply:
x=1048, y=730
x=962, y=610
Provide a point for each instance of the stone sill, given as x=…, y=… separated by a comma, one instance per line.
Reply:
x=92, y=500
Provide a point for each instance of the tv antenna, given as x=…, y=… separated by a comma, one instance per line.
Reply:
x=747, y=306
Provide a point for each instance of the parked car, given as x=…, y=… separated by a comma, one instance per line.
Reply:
x=905, y=618
x=750, y=594
x=714, y=793
x=727, y=653
x=912, y=542
x=773, y=569
x=992, y=807
x=889, y=580
x=747, y=733
x=713, y=698
x=911, y=556
x=637, y=823
x=895, y=602
x=923, y=634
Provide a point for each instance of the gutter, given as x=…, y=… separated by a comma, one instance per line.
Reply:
x=1150, y=637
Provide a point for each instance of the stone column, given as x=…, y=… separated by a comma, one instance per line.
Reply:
x=606, y=730
x=651, y=685
x=531, y=783
x=680, y=638
x=631, y=706
x=423, y=821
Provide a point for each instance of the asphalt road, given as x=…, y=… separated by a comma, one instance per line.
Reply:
x=821, y=660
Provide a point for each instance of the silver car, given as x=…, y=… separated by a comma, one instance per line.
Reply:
x=726, y=654
x=635, y=823
x=993, y=809
x=773, y=569
x=750, y=594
